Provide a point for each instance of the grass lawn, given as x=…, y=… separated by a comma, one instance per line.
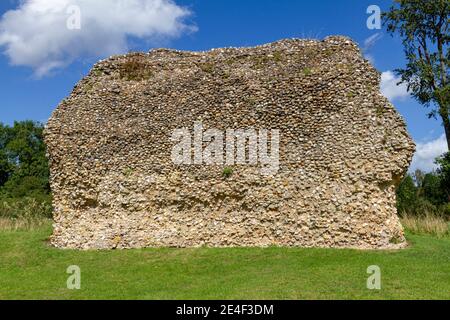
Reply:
x=30, y=269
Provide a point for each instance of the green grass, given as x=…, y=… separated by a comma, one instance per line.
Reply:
x=30, y=269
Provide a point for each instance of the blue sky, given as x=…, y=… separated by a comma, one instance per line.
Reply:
x=205, y=24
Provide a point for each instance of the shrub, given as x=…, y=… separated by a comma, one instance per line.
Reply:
x=7, y=224
x=207, y=67
x=427, y=224
x=135, y=69
x=277, y=56
x=24, y=175
x=307, y=71
x=25, y=208
x=227, y=172
x=24, y=214
x=423, y=194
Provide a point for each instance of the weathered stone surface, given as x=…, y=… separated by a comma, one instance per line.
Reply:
x=343, y=148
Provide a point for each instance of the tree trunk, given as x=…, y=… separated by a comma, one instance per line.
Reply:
x=443, y=112
x=446, y=123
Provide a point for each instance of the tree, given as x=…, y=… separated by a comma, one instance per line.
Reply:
x=23, y=164
x=418, y=177
x=424, y=29
x=431, y=189
x=5, y=164
x=5, y=168
x=406, y=195
x=444, y=173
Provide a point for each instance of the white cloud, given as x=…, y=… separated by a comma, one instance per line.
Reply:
x=427, y=152
x=369, y=43
x=390, y=89
x=36, y=34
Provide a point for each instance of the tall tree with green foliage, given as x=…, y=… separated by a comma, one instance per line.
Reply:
x=23, y=163
x=431, y=189
x=424, y=28
x=406, y=195
x=444, y=173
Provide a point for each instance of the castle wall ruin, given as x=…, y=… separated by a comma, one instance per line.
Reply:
x=342, y=149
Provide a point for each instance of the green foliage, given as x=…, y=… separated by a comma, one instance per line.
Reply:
x=307, y=71
x=431, y=189
x=207, y=67
x=434, y=225
x=424, y=29
x=406, y=194
x=24, y=172
x=135, y=69
x=128, y=172
x=444, y=172
x=278, y=56
x=227, y=172
x=25, y=208
x=5, y=168
x=426, y=194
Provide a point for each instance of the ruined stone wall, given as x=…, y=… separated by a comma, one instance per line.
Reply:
x=343, y=148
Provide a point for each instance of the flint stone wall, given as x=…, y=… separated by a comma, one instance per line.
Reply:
x=343, y=149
